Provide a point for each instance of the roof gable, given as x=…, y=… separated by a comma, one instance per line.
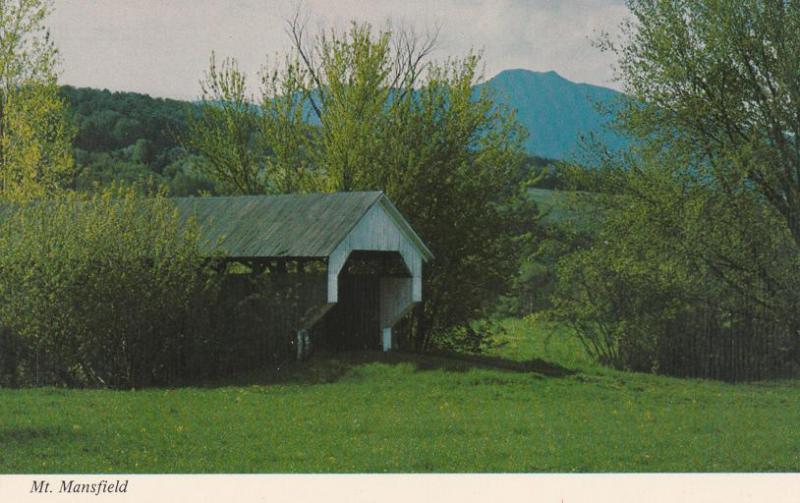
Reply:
x=405, y=227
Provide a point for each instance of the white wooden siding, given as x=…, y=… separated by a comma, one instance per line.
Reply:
x=396, y=300
x=376, y=231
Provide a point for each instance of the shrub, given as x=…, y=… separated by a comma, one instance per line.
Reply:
x=98, y=290
x=684, y=281
x=475, y=337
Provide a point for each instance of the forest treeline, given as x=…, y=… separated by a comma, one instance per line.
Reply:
x=131, y=138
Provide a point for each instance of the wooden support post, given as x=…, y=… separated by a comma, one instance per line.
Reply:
x=303, y=343
x=396, y=301
x=298, y=343
x=281, y=266
x=387, y=339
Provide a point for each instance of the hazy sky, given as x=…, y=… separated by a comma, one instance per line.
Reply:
x=161, y=47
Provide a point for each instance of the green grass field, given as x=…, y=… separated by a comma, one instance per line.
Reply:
x=537, y=404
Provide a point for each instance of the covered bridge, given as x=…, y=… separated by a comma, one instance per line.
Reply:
x=347, y=265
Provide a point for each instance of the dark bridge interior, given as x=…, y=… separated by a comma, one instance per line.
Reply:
x=354, y=321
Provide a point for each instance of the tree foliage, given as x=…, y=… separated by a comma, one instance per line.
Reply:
x=362, y=109
x=35, y=133
x=701, y=235
x=133, y=139
x=97, y=290
x=720, y=80
x=223, y=132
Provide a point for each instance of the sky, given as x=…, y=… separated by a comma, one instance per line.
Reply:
x=161, y=47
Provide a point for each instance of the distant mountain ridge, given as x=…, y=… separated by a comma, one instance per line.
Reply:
x=556, y=111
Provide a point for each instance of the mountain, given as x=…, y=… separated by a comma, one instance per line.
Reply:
x=556, y=111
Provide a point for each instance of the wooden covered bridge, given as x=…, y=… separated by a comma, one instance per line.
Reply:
x=343, y=266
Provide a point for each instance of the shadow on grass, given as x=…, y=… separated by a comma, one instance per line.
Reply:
x=30, y=435
x=329, y=367
x=456, y=362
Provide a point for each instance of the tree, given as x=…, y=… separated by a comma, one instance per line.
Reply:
x=366, y=110
x=715, y=102
x=719, y=81
x=286, y=133
x=357, y=80
x=35, y=133
x=700, y=240
x=223, y=130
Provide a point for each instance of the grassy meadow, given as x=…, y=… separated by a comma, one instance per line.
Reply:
x=535, y=404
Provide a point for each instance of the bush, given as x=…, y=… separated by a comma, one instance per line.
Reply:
x=685, y=281
x=98, y=291
x=475, y=337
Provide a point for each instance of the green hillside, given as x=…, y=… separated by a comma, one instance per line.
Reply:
x=131, y=137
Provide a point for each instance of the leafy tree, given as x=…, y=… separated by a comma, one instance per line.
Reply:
x=700, y=240
x=367, y=110
x=285, y=131
x=359, y=80
x=98, y=290
x=715, y=101
x=35, y=134
x=223, y=130
x=250, y=147
x=720, y=84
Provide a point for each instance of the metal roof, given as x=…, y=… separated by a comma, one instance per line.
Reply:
x=290, y=225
